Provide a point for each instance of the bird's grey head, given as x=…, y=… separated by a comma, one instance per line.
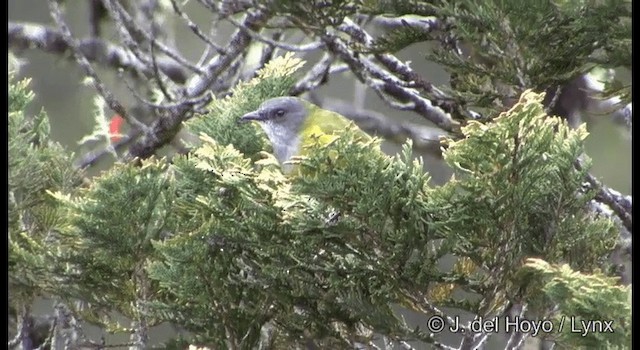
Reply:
x=281, y=118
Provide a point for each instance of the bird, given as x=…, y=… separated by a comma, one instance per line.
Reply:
x=292, y=124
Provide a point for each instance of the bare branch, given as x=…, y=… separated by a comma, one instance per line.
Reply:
x=362, y=67
x=619, y=204
x=47, y=342
x=624, y=116
x=228, y=8
x=617, y=207
x=111, y=101
x=126, y=37
x=314, y=77
x=27, y=35
x=289, y=47
x=423, y=137
x=239, y=41
x=25, y=326
x=195, y=29
x=420, y=303
x=406, y=345
x=480, y=339
x=229, y=78
x=426, y=24
x=337, y=68
x=269, y=51
x=403, y=70
x=160, y=82
x=516, y=339
x=165, y=128
x=554, y=100
x=91, y=158
x=121, y=15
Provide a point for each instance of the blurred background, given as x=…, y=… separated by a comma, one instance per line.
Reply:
x=59, y=88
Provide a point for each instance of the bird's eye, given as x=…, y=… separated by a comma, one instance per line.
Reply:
x=279, y=112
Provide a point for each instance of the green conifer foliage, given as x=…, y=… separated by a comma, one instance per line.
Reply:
x=223, y=245
x=36, y=165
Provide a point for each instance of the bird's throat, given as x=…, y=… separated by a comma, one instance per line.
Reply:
x=285, y=143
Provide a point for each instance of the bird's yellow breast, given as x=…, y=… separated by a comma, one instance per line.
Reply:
x=323, y=127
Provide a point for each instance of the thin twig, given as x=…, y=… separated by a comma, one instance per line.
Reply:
x=554, y=100
x=112, y=102
x=621, y=205
x=362, y=67
x=161, y=85
x=125, y=36
x=91, y=158
x=374, y=122
x=406, y=345
x=314, y=77
x=23, y=36
x=256, y=36
x=395, y=65
x=519, y=336
x=425, y=24
x=164, y=129
x=229, y=78
x=195, y=29
x=480, y=340
x=48, y=341
x=121, y=15
x=25, y=324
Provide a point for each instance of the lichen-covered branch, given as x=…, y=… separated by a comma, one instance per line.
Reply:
x=24, y=36
x=164, y=129
x=385, y=83
x=423, y=137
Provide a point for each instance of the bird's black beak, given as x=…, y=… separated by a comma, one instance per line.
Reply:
x=249, y=117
